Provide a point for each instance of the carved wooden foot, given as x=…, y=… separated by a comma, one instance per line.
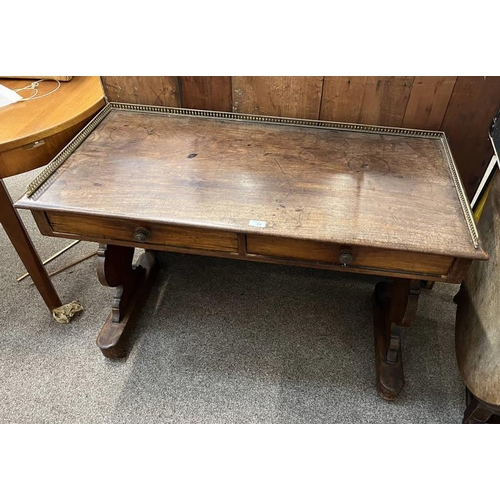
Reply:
x=395, y=306
x=132, y=283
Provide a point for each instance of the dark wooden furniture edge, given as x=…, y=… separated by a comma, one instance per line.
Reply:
x=454, y=275
x=27, y=203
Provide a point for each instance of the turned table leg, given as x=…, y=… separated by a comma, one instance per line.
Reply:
x=115, y=269
x=17, y=234
x=395, y=306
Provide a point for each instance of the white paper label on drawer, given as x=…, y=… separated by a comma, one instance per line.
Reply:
x=258, y=223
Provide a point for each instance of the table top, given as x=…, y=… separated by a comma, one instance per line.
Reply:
x=24, y=122
x=350, y=184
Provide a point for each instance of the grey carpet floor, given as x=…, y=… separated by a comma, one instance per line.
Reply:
x=218, y=341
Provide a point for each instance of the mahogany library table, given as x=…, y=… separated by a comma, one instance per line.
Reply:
x=356, y=198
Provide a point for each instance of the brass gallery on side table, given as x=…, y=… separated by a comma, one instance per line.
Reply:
x=356, y=198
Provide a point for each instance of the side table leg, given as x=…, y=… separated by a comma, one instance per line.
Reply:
x=21, y=241
x=115, y=269
x=395, y=305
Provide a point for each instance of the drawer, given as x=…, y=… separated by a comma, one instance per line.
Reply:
x=106, y=228
x=37, y=153
x=363, y=257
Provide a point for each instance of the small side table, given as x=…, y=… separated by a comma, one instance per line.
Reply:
x=31, y=134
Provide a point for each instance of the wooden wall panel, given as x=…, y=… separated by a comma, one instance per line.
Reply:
x=375, y=100
x=291, y=96
x=428, y=102
x=153, y=90
x=473, y=104
x=206, y=92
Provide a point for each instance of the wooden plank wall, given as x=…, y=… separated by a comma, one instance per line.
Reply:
x=461, y=106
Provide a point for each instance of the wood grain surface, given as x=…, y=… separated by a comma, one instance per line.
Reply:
x=428, y=102
x=379, y=100
x=206, y=92
x=291, y=96
x=25, y=122
x=154, y=90
x=323, y=185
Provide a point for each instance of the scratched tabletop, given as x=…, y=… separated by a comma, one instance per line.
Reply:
x=388, y=189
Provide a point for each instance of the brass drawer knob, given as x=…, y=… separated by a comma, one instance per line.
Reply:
x=141, y=234
x=345, y=257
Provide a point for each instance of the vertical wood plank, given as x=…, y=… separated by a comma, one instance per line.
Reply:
x=428, y=102
x=290, y=96
x=206, y=92
x=472, y=107
x=374, y=100
x=152, y=90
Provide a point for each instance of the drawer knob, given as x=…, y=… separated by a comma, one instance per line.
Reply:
x=345, y=257
x=141, y=234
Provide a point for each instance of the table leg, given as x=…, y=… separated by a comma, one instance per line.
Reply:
x=17, y=234
x=395, y=305
x=132, y=283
